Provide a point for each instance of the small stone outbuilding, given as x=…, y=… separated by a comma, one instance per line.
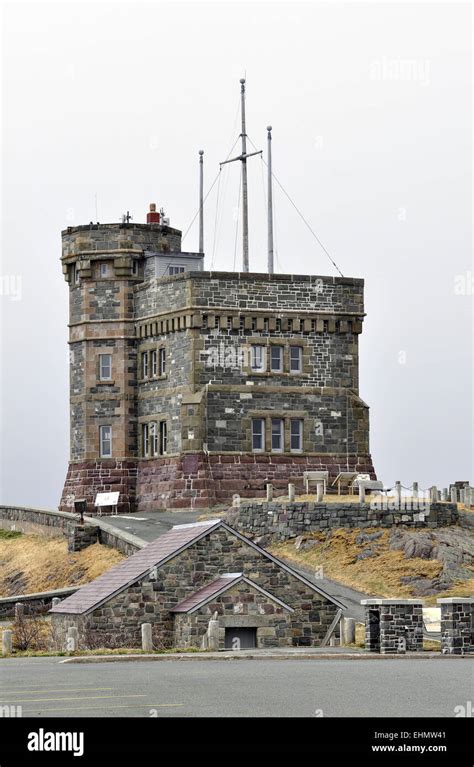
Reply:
x=195, y=577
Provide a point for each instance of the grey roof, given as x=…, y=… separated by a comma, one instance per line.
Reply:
x=155, y=554
x=131, y=569
x=218, y=587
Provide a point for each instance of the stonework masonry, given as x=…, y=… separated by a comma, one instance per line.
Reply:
x=393, y=626
x=151, y=599
x=457, y=628
x=183, y=394
x=282, y=521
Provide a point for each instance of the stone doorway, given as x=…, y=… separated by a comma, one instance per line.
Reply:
x=240, y=638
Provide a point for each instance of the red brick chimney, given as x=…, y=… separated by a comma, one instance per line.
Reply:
x=152, y=217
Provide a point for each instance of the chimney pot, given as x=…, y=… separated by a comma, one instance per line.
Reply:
x=153, y=217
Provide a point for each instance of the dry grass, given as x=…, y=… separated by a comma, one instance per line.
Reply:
x=378, y=575
x=31, y=563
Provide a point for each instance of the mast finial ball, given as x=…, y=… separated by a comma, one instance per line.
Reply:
x=201, y=151
x=242, y=80
x=269, y=127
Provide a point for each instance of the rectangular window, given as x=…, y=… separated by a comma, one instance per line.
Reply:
x=145, y=365
x=163, y=437
x=145, y=440
x=277, y=435
x=258, y=359
x=153, y=438
x=296, y=359
x=276, y=359
x=258, y=435
x=162, y=361
x=154, y=363
x=104, y=270
x=105, y=437
x=134, y=267
x=176, y=269
x=105, y=367
x=296, y=435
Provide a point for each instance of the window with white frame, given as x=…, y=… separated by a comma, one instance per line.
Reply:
x=153, y=438
x=161, y=361
x=145, y=365
x=277, y=435
x=104, y=270
x=105, y=439
x=154, y=362
x=296, y=435
x=257, y=359
x=176, y=269
x=296, y=359
x=258, y=435
x=163, y=437
x=105, y=367
x=276, y=359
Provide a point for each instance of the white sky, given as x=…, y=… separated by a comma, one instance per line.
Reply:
x=114, y=100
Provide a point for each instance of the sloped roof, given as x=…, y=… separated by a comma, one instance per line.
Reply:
x=218, y=587
x=155, y=554
x=127, y=572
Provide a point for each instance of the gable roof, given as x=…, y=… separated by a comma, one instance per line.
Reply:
x=155, y=554
x=218, y=587
x=131, y=569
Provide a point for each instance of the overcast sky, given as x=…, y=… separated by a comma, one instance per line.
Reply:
x=107, y=104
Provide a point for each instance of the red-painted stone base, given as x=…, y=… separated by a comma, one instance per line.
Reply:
x=197, y=481
x=86, y=479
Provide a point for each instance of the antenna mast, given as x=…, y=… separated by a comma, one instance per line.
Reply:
x=270, y=201
x=243, y=158
x=201, y=201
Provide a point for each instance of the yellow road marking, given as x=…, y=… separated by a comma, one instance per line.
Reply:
x=85, y=697
x=62, y=689
x=108, y=708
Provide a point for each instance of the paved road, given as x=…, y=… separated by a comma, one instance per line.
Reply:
x=150, y=526
x=402, y=688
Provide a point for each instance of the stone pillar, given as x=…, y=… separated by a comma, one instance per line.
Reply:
x=398, y=494
x=19, y=611
x=147, y=639
x=456, y=625
x=72, y=639
x=393, y=625
x=361, y=493
x=213, y=634
x=434, y=494
x=454, y=495
x=7, y=643
x=415, y=490
x=319, y=492
x=269, y=493
x=348, y=631
x=444, y=494
x=291, y=492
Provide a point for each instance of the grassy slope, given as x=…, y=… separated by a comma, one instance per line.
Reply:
x=30, y=563
x=378, y=575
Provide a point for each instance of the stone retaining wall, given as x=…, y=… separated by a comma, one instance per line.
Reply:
x=34, y=604
x=288, y=520
x=59, y=523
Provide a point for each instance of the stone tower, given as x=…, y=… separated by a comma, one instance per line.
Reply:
x=188, y=386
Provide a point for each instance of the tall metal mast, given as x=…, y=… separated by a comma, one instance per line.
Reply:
x=243, y=158
x=201, y=201
x=270, y=201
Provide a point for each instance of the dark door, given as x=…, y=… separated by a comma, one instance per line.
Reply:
x=240, y=639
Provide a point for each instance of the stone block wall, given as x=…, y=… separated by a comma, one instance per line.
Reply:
x=119, y=619
x=393, y=626
x=82, y=536
x=457, y=627
x=288, y=520
x=239, y=606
